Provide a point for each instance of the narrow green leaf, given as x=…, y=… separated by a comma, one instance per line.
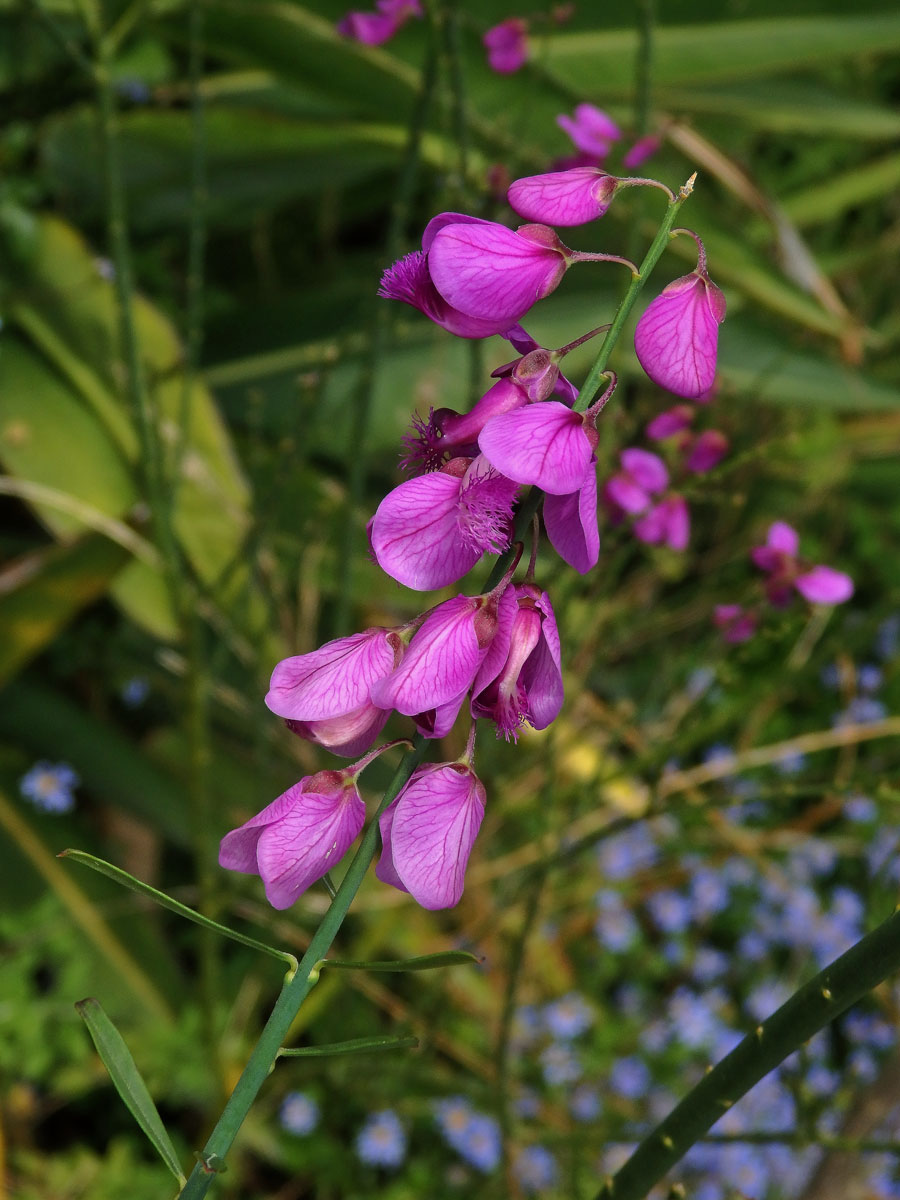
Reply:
x=426, y=962
x=366, y=1045
x=839, y=193
x=127, y=1081
x=164, y=901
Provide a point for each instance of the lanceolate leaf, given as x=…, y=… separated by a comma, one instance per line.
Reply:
x=426, y=962
x=127, y=1081
x=369, y=1045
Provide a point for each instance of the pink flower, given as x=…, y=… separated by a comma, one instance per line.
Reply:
x=643, y=476
x=443, y=658
x=491, y=273
x=591, y=130
x=507, y=45
x=428, y=833
x=409, y=281
x=298, y=837
x=642, y=149
x=706, y=451
x=543, y=444
x=525, y=370
x=736, y=623
x=676, y=339
x=373, y=29
x=779, y=558
x=325, y=696
x=571, y=523
x=527, y=686
x=430, y=531
x=671, y=422
x=564, y=197
x=666, y=523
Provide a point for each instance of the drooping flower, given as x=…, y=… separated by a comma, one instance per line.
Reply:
x=527, y=686
x=409, y=281
x=492, y=273
x=545, y=444
x=375, y=28
x=325, y=696
x=779, y=558
x=432, y=681
x=431, y=530
x=428, y=833
x=591, y=130
x=448, y=434
x=737, y=623
x=571, y=197
x=507, y=45
x=706, y=451
x=676, y=339
x=524, y=369
x=50, y=786
x=299, y=836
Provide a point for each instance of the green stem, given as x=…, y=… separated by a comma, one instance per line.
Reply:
x=643, y=67
x=592, y=384
x=120, y=255
x=810, y=1009
x=294, y=992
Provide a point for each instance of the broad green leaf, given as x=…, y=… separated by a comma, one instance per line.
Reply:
x=43, y=591
x=366, y=1045
x=426, y=962
x=256, y=159
x=144, y=889
x=839, y=193
x=128, y=1082
x=694, y=55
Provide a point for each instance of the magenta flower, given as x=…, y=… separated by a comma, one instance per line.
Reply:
x=325, y=696
x=670, y=422
x=373, y=29
x=666, y=523
x=543, y=444
x=525, y=370
x=591, y=130
x=409, y=281
x=737, y=623
x=571, y=523
x=507, y=45
x=643, y=476
x=706, y=451
x=676, y=339
x=564, y=197
x=491, y=273
x=428, y=833
x=298, y=837
x=431, y=682
x=642, y=149
x=779, y=558
x=431, y=530
x=527, y=686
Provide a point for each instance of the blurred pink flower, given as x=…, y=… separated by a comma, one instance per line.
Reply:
x=736, y=623
x=373, y=29
x=642, y=149
x=507, y=45
x=592, y=131
x=779, y=558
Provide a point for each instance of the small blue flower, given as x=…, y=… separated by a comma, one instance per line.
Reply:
x=869, y=678
x=709, y=892
x=860, y=809
x=535, y=1169
x=671, y=912
x=568, y=1017
x=622, y=856
x=527, y=1104
x=559, y=1065
x=299, y=1113
x=382, y=1140
x=629, y=1077
x=134, y=691
x=585, y=1104
x=480, y=1145
x=50, y=786
x=616, y=927
x=791, y=762
x=699, y=681
x=887, y=637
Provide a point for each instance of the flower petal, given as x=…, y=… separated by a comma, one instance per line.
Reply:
x=491, y=272
x=564, y=197
x=434, y=828
x=824, y=585
x=333, y=680
x=416, y=534
x=298, y=849
x=544, y=444
x=571, y=524
x=783, y=538
x=542, y=673
x=676, y=339
x=646, y=468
